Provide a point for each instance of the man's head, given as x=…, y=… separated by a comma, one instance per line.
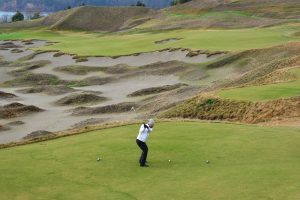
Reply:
x=151, y=123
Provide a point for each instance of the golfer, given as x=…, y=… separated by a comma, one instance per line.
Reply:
x=141, y=141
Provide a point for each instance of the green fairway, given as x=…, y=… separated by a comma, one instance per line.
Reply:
x=246, y=163
x=265, y=92
x=82, y=43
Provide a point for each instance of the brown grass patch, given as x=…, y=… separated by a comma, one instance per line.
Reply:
x=16, y=110
x=77, y=99
x=114, y=108
x=155, y=90
x=229, y=110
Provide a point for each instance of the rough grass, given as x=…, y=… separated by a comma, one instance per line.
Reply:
x=26, y=67
x=288, y=9
x=265, y=92
x=212, y=108
x=253, y=67
x=114, y=108
x=78, y=70
x=79, y=99
x=212, y=19
x=243, y=160
x=155, y=90
x=91, y=44
x=30, y=79
x=16, y=110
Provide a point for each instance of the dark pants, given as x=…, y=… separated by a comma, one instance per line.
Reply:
x=144, y=148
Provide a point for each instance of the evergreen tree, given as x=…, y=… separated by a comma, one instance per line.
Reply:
x=18, y=17
x=36, y=15
x=141, y=4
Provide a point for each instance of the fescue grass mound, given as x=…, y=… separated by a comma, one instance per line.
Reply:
x=266, y=92
x=79, y=99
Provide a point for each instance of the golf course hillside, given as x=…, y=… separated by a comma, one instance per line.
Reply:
x=199, y=100
x=267, y=8
x=266, y=89
x=90, y=18
x=228, y=14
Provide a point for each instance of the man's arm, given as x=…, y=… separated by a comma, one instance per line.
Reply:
x=147, y=127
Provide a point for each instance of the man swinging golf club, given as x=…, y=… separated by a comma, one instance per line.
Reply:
x=141, y=141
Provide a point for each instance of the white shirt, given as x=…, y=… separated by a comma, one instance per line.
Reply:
x=144, y=132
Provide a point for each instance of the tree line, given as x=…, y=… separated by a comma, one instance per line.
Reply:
x=176, y=2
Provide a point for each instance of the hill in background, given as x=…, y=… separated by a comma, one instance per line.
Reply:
x=55, y=5
x=90, y=18
x=194, y=14
x=261, y=8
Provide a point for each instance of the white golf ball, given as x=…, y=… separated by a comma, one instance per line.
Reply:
x=98, y=159
x=207, y=161
x=169, y=160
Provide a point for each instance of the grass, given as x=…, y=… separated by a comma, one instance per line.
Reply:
x=246, y=162
x=111, y=44
x=265, y=92
x=210, y=14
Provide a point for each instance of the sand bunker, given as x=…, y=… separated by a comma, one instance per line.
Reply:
x=22, y=49
x=53, y=118
x=4, y=74
x=3, y=128
x=133, y=60
x=58, y=62
x=51, y=79
x=118, y=91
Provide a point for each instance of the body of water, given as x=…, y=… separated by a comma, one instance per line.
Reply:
x=5, y=16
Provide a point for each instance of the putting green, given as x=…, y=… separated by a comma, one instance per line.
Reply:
x=246, y=162
x=111, y=44
x=265, y=92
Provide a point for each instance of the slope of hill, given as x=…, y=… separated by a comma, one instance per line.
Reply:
x=228, y=14
x=90, y=18
x=195, y=14
x=265, y=8
x=55, y=5
x=278, y=98
x=99, y=18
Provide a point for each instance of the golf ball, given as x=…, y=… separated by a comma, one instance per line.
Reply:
x=169, y=160
x=207, y=161
x=98, y=159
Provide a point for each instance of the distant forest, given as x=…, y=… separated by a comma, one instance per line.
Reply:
x=55, y=5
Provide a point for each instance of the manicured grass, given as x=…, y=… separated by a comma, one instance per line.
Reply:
x=265, y=92
x=133, y=42
x=246, y=163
